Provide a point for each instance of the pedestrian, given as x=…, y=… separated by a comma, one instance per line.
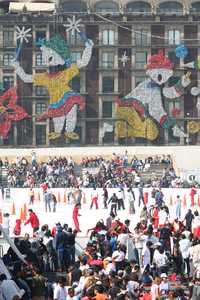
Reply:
x=146, y=256
x=131, y=199
x=54, y=201
x=17, y=228
x=33, y=220
x=8, y=289
x=47, y=200
x=75, y=216
x=6, y=223
x=31, y=196
x=178, y=203
x=189, y=217
x=155, y=289
x=120, y=196
x=105, y=197
x=60, y=247
x=114, y=201
x=141, y=195
x=185, y=245
x=94, y=197
x=60, y=291
x=38, y=285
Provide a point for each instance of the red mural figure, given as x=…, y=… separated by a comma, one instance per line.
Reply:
x=10, y=111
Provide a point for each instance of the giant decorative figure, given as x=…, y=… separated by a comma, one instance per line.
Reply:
x=143, y=108
x=64, y=102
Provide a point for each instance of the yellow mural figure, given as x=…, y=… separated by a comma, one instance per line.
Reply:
x=139, y=128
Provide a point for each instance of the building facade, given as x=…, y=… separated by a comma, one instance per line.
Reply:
x=137, y=29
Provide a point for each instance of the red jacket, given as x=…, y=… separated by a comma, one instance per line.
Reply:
x=33, y=219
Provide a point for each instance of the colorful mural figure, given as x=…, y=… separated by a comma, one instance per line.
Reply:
x=64, y=102
x=193, y=127
x=10, y=111
x=143, y=108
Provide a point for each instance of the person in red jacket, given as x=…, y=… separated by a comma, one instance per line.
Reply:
x=75, y=216
x=17, y=229
x=33, y=220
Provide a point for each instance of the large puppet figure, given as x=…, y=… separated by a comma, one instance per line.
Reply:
x=143, y=108
x=64, y=102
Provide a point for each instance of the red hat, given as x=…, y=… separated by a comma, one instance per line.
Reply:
x=159, y=61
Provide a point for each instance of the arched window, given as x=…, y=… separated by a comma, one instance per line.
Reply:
x=195, y=7
x=138, y=7
x=171, y=7
x=106, y=7
x=74, y=6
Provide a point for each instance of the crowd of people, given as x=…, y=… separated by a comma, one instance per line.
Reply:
x=92, y=171
x=157, y=259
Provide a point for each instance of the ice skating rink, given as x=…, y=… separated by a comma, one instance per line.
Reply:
x=20, y=197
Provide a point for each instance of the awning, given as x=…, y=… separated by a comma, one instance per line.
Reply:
x=31, y=7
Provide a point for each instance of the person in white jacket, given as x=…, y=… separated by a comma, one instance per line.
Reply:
x=9, y=289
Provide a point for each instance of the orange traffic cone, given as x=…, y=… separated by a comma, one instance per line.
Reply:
x=38, y=197
x=184, y=201
x=25, y=211
x=1, y=217
x=146, y=197
x=171, y=201
x=84, y=199
x=13, y=209
x=199, y=200
x=22, y=215
x=65, y=198
x=59, y=200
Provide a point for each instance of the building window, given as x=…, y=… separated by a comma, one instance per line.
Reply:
x=8, y=82
x=108, y=60
x=138, y=7
x=74, y=38
x=74, y=6
x=40, y=34
x=195, y=8
x=140, y=60
x=174, y=37
x=139, y=79
x=40, y=91
x=171, y=7
x=40, y=134
x=106, y=7
x=40, y=108
x=107, y=109
x=108, y=84
x=38, y=60
x=8, y=38
x=75, y=56
x=108, y=37
x=7, y=59
x=142, y=38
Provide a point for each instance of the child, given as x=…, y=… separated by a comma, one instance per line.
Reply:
x=17, y=228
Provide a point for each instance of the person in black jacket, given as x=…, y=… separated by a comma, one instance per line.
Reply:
x=105, y=197
x=188, y=220
x=114, y=201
